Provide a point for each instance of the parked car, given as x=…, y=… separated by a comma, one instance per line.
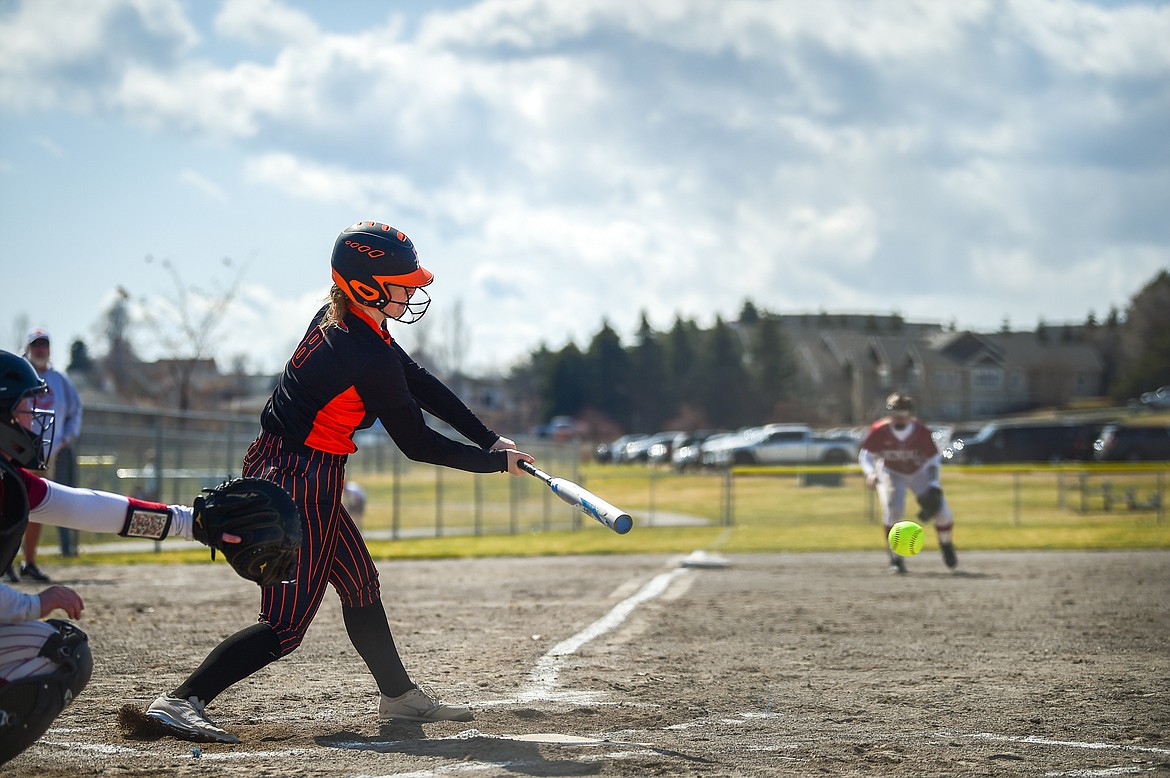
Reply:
x=1132, y=444
x=715, y=451
x=662, y=452
x=788, y=444
x=1019, y=441
x=612, y=451
x=1159, y=399
x=639, y=450
x=688, y=452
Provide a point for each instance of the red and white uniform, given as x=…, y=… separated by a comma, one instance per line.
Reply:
x=902, y=460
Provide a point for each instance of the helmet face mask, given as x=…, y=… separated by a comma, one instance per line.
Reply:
x=371, y=259
x=414, y=307
x=26, y=428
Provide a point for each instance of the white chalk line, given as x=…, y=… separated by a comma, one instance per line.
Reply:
x=1040, y=741
x=543, y=679
x=1104, y=772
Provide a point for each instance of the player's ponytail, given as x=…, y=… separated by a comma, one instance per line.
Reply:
x=338, y=307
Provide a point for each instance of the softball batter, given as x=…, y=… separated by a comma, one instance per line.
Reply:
x=899, y=455
x=346, y=372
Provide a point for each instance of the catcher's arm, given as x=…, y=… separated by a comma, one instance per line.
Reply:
x=92, y=510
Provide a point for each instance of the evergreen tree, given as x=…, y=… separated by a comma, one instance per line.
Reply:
x=773, y=368
x=568, y=383
x=1146, y=339
x=608, y=369
x=79, y=358
x=749, y=315
x=723, y=382
x=682, y=354
x=652, y=399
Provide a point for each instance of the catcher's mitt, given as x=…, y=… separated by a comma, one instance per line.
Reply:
x=264, y=517
x=929, y=503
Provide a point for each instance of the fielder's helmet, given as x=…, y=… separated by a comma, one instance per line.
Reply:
x=370, y=257
x=26, y=431
x=900, y=403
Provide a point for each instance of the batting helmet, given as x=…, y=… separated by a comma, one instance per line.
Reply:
x=370, y=257
x=900, y=403
x=26, y=431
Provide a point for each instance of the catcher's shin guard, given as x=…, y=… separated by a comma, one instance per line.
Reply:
x=56, y=666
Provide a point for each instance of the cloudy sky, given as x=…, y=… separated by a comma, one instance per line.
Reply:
x=562, y=162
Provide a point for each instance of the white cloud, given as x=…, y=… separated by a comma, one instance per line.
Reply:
x=1125, y=41
x=70, y=52
x=368, y=190
x=50, y=146
x=265, y=22
x=202, y=184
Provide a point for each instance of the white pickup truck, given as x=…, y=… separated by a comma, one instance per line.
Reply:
x=789, y=444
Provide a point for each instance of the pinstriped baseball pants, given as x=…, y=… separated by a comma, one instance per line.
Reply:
x=332, y=548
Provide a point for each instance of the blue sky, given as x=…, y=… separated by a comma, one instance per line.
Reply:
x=559, y=163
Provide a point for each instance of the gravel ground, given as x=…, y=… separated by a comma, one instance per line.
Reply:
x=1021, y=664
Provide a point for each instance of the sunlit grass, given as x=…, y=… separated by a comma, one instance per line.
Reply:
x=772, y=513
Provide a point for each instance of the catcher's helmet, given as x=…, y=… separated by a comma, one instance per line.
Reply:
x=369, y=258
x=900, y=403
x=26, y=431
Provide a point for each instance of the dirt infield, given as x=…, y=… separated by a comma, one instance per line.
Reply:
x=1023, y=664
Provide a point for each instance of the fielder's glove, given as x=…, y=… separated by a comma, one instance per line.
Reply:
x=265, y=519
x=929, y=503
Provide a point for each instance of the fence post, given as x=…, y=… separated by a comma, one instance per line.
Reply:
x=513, y=506
x=396, y=485
x=728, y=506
x=1161, y=496
x=653, y=479
x=1016, y=496
x=438, y=502
x=478, y=504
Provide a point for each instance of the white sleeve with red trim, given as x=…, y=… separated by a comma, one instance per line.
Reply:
x=868, y=462
x=16, y=607
x=94, y=511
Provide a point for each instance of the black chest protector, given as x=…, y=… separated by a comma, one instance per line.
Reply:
x=13, y=513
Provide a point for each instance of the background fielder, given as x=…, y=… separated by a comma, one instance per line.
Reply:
x=899, y=455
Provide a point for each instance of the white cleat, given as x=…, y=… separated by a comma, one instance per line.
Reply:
x=186, y=719
x=417, y=705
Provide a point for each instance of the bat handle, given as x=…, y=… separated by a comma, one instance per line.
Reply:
x=531, y=469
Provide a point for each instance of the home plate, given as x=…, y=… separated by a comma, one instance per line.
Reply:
x=704, y=559
x=555, y=738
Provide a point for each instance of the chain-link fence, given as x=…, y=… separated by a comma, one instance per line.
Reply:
x=169, y=456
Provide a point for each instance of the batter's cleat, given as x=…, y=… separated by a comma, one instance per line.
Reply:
x=10, y=575
x=948, y=552
x=417, y=705
x=897, y=566
x=33, y=573
x=186, y=719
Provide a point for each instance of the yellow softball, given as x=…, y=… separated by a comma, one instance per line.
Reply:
x=906, y=538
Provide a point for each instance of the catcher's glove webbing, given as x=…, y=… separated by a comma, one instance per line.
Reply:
x=264, y=517
x=929, y=503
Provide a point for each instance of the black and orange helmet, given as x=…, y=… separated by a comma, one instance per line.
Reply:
x=371, y=257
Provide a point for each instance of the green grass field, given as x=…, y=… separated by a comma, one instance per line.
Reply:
x=995, y=508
